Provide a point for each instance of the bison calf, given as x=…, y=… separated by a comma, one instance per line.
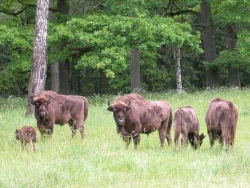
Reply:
x=135, y=115
x=26, y=135
x=221, y=119
x=186, y=122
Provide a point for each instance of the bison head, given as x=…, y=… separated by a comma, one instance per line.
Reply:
x=41, y=104
x=196, y=142
x=119, y=109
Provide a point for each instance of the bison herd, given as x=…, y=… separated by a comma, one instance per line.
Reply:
x=133, y=116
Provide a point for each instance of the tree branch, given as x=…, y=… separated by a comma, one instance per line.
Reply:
x=183, y=12
x=12, y=13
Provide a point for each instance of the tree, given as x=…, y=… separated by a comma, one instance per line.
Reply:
x=178, y=69
x=208, y=43
x=39, y=60
x=135, y=78
x=230, y=45
x=54, y=67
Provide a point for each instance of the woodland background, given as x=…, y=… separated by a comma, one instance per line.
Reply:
x=112, y=46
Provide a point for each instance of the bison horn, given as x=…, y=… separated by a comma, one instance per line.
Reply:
x=109, y=103
x=129, y=102
x=48, y=97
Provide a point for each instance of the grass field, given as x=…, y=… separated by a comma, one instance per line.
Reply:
x=103, y=161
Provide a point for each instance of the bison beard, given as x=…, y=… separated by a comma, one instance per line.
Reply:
x=135, y=115
x=52, y=108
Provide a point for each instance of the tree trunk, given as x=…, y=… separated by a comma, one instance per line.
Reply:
x=39, y=59
x=209, y=44
x=54, y=68
x=233, y=73
x=135, y=81
x=64, y=67
x=178, y=70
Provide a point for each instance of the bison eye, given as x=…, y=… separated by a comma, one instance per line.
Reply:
x=37, y=103
x=46, y=104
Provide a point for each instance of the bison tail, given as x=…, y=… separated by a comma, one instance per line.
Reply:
x=170, y=120
x=86, y=107
x=232, y=124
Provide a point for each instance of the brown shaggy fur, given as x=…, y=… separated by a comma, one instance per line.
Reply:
x=52, y=108
x=135, y=115
x=186, y=122
x=27, y=135
x=221, y=119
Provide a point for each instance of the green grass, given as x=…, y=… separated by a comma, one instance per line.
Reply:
x=103, y=161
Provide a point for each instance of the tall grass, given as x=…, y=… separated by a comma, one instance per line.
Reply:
x=103, y=161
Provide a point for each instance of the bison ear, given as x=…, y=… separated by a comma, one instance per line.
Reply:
x=127, y=108
x=110, y=108
x=202, y=136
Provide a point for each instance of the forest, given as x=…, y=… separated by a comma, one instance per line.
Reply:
x=111, y=46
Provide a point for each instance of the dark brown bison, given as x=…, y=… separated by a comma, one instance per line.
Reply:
x=186, y=122
x=27, y=135
x=221, y=119
x=52, y=108
x=135, y=115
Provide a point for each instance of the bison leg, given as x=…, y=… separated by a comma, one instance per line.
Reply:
x=81, y=129
x=221, y=140
x=126, y=137
x=162, y=135
x=177, y=132
x=168, y=137
x=136, y=139
x=22, y=144
x=176, y=139
x=127, y=140
x=184, y=140
x=41, y=129
x=80, y=126
x=211, y=139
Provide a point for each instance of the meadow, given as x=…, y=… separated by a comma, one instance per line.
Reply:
x=102, y=160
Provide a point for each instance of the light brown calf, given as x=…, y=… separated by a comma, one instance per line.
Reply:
x=27, y=134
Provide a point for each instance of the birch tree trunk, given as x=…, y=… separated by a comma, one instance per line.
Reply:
x=39, y=59
x=178, y=70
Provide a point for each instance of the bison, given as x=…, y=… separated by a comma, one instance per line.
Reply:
x=27, y=134
x=186, y=122
x=52, y=108
x=135, y=115
x=221, y=119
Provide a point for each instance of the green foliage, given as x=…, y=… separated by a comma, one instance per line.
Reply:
x=232, y=58
x=112, y=37
x=16, y=40
x=232, y=12
x=97, y=36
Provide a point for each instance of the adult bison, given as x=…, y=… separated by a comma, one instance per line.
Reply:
x=221, y=119
x=52, y=108
x=186, y=122
x=135, y=115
